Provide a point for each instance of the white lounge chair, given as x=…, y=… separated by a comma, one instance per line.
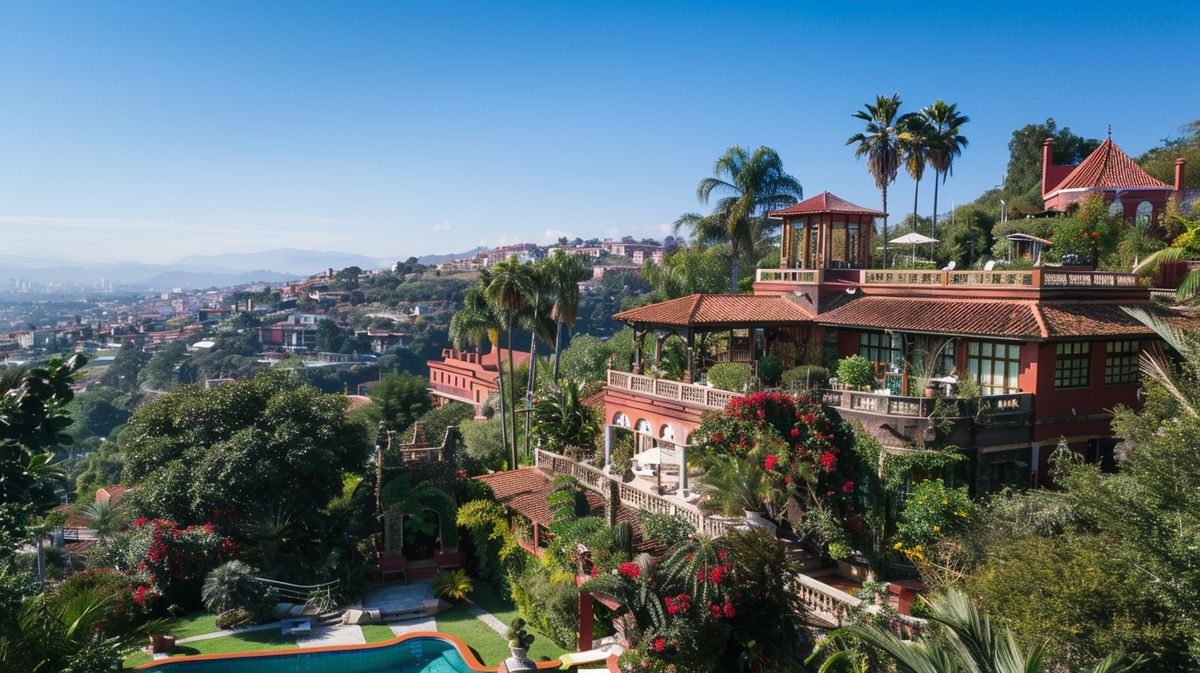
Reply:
x=647, y=471
x=950, y=266
x=990, y=265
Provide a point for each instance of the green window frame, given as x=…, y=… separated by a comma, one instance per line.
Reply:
x=1121, y=361
x=876, y=347
x=995, y=366
x=1072, y=364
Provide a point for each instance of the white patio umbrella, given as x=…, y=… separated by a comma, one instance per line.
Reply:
x=914, y=239
x=654, y=457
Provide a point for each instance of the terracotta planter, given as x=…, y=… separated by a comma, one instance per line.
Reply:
x=162, y=644
x=930, y=391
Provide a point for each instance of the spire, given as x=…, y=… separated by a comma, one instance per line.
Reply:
x=1110, y=131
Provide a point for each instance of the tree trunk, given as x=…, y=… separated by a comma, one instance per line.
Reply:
x=503, y=418
x=885, y=228
x=933, y=225
x=530, y=381
x=512, y=373
x=735, y=266
x=916, y=194
x=558, y=326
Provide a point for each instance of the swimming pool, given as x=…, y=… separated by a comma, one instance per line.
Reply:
x=413, y=653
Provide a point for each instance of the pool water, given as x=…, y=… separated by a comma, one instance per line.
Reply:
x=415, y=655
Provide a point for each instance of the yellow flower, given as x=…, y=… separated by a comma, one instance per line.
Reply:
x=917, y=548
x=897, y=546
x=945, y=501
x=961, y=513
x=937, y=529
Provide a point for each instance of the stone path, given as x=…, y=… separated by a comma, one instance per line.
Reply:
x=414, y=625
x=229, y=632
x=487, y=618
x=336, y=634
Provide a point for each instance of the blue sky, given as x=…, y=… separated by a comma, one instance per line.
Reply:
x=151, y=130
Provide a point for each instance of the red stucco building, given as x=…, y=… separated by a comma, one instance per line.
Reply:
x=468, y=376
x=1052, y=350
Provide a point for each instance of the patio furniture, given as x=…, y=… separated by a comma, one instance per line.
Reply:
x=645, y=471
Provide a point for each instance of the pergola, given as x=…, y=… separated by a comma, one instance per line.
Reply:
x=826, y=232
x=697, y=314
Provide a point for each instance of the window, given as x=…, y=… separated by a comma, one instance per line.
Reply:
x=1121, y=362
x=1072, y=364
x=876, y=347
x=995, y=366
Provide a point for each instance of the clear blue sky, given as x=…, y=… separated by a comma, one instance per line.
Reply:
x=151, y=130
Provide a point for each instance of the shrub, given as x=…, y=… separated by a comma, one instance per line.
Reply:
x=518, y=636
x=234, y=618
x=732, y=376
x=230, y=585
x=453, y=585
x=770, y=369
x=856, y=371
x=665, y=528
x=805, y=377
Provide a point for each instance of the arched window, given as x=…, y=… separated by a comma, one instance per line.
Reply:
x=1142, y=216
x=643, y=426
x=621, y=420
x=666, y=432
x=1116, y=207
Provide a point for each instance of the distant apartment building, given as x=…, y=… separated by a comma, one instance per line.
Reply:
x=468, y=377
x=380, y=339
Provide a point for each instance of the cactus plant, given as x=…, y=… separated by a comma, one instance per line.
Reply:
x=518, y=637
x=623, y=536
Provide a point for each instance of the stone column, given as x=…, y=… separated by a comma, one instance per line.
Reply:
x=683, y=477
x=608, y=439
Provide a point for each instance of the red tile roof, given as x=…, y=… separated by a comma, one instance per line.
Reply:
x=718, y=309
x=1108, y=167
x=1094, y=319
x=1014, y=319
x=826, y=203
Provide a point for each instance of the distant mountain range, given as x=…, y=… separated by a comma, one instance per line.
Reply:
x=193, y=271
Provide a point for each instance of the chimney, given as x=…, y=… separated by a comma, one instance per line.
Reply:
x=1047, y=161
x=1180, y=166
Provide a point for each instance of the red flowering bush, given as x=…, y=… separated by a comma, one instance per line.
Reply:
x=164, y=563
x=792, y=436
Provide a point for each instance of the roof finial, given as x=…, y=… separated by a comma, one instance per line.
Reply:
x=1110, y=131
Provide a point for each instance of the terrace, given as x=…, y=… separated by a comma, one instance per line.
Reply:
x=1030, y=278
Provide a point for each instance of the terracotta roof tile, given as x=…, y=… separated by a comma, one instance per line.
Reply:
x=1108, y=167
x=1094, y=319
x=1014, y=319
x=826, y=203
x=718, y=309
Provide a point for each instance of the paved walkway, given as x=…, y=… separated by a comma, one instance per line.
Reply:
x=336, y=634
x=229, y=632
x=487, y=618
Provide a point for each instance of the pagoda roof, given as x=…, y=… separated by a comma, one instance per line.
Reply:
x=718, y=310
x=1109, y=167
x=826, y=202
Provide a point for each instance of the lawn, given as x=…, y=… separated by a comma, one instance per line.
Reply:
x=251, y=641
x=377, y=633
x=486, y=597
x=192, y=624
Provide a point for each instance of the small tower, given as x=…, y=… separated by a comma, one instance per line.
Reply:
x=826, y=232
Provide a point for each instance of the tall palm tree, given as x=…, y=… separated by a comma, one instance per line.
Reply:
x=880, y=143
x=946, y=142
x=537, y=320
x=476, y=323
x=567, y=272
x=508, y=291
x=915, y=145
x=751, y=184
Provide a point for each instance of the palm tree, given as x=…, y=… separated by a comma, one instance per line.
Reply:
x=752, y=184
x=971, y=642
x=1178, y=380
x=476, y=322
x=946, y=142
x=507, y=291
x=880, y=143
x=915, y=145
x=566, y=272
x=537, y=321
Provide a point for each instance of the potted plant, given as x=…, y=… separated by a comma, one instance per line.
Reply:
x=519, y=641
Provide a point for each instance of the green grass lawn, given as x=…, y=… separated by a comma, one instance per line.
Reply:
x=251, y=641
x=486, y=597
x=192, y=624
x=377, y=633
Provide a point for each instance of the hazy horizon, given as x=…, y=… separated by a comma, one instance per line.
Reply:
x=147, y=132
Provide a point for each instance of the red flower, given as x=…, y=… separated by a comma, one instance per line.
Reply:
x=828, y=461
x=722, y=555
x=630, y=570
x=595, y=571
x=848, y=487
x=787, y=479
x=660, y=645
x=771, y=462
x=714, y=611
x=140, y=521
x=728, y=609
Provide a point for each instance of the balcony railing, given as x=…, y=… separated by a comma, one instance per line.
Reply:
x=676, y=391
x=789, y=275
x=933, y=277
x=922, y=407
x=630, y=495
x=461, y=394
